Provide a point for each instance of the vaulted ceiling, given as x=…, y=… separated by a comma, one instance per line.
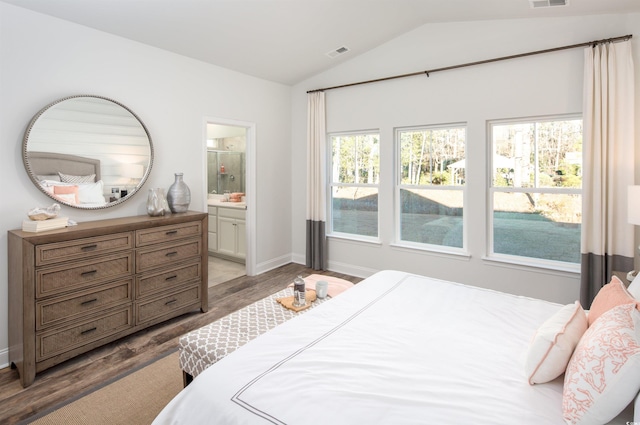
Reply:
x=287, y=41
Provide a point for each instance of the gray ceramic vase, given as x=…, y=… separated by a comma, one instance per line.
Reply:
x=179, y=195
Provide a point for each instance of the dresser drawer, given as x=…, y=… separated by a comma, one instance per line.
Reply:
x=153, y=283
x=49, y=344
x=168, y=233
x=167, y=254
x=61, y=309
x=83, y=274
x=167, y=305
x=54, y=253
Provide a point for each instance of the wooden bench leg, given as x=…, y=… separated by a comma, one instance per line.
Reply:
x=186, y=378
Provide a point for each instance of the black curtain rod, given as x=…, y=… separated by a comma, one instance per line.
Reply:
x=464, y=65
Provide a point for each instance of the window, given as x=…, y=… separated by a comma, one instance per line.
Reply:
x=536, y=191
x=430, y=190
x=355, y=179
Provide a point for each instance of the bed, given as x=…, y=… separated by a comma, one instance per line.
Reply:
x=70, y=179
x=395, y=349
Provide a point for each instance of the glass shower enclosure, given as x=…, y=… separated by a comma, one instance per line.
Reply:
x=226, y=171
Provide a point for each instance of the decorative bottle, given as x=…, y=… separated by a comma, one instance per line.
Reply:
x=179, y=195
x=299, y=293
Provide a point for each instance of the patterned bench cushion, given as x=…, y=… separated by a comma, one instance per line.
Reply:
x=201, y=348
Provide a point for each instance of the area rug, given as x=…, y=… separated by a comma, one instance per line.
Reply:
x=133, y=399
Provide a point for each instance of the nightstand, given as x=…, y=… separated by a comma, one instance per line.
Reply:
x=623, y=277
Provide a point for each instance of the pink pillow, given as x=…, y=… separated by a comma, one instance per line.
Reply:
x=610, y=295
x=66, y=190
x=603, y=375
x=553, y=344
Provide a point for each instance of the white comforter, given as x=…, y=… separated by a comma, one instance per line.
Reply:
x=395, y=349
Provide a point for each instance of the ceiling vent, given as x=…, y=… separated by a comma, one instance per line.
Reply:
x=536, y=4
x=337, y=52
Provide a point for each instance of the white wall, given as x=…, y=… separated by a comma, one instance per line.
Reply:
x=533, y=86
x=44, y=59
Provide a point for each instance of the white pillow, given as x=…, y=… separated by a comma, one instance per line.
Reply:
x=634, y=288
x=554, y=342
x=91, y=193
x=603, y=375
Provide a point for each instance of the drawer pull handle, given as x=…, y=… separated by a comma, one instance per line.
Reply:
x=89, y=301
x=175, y=276
x=171, y=254
x=171, y=232
x=173, y=301
x=88, y=273
x=88, y=331
x=89, y=247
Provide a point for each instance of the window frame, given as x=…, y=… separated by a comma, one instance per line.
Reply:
x=331, y=184
x=399, y=186
x=521, y=260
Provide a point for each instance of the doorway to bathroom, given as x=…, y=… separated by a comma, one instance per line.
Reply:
x=229, y=198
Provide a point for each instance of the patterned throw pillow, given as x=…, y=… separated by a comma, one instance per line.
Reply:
x=66, y=178
x=554, y=342
x=603, y=375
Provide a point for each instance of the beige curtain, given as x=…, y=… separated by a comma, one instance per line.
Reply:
x=316, y=182
x=608, y=165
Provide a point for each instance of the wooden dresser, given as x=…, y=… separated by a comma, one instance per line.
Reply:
x=75, y=289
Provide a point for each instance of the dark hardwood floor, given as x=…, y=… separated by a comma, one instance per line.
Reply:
x=75, y=376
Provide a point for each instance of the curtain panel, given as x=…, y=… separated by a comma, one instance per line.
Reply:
x=316, y=182
x=607, y=242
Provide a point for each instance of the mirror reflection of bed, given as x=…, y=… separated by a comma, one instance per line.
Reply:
x=70, y=179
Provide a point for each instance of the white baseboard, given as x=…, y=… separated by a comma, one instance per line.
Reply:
x=350, y=269
x=273, y=264
x=338, y=267
x=4, y=358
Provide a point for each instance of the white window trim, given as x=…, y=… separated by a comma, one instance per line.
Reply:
x=517, y=260
x=398, y=186
x=329, y=195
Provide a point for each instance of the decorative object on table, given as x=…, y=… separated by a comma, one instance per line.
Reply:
x=289, y=302
x=39, y=214
x=236, y=197
x=299, y=299
x=157, y=203
x=42, y=225
x=322, y=287
x=179, y=195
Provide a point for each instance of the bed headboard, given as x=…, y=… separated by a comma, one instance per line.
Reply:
x=49, y=163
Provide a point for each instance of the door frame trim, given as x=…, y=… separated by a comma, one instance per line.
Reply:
x=250, y=182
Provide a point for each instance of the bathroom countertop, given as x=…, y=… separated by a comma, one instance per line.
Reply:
x=226, y=204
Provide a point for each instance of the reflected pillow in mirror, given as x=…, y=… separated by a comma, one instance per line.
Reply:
x=91, y=193
x=66, y=178
x=67, y=190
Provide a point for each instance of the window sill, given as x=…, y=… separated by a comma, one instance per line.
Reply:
x=458, y=254
x=553, y=267
x=355, y=239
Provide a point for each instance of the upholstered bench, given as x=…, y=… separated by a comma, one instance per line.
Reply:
x=203, y=347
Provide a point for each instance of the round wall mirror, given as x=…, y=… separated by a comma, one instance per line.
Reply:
x=87, y=152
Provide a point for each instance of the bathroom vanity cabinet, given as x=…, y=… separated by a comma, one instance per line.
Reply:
x=228, y=240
